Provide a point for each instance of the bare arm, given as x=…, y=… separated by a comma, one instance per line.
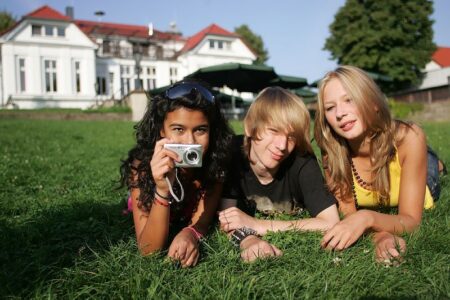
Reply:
x=207, y=208
x=233, y=218
x=152, y=229
x=412, y=155
x=413, y=160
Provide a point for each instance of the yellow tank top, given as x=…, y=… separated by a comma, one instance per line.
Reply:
x=369, y=198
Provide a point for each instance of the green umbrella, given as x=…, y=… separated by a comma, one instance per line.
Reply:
x=308, y=96
x=289, y=82
x=236, y=76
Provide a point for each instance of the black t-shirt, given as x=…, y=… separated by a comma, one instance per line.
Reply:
x=297, y=185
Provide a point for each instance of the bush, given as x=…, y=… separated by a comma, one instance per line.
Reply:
x=401, y=110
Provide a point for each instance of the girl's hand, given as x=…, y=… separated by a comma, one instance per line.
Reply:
x=388, y=247
x=184, y=248
x=346, y=232
x=162, y=165
x=233, y=218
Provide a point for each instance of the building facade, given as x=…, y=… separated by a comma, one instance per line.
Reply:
x=435, y=85
x=49, y=59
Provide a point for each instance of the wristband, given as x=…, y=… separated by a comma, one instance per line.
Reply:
x=162, y=202
x=240, y=234
x=161, y=196
x=195, y=232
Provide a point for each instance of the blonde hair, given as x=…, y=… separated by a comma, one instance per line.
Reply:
x=381, y=129
x=283, y=110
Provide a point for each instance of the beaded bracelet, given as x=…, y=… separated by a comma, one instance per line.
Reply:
x=160, y=202
x=195, y=232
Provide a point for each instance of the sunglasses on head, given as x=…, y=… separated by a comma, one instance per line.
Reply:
x=185, y=89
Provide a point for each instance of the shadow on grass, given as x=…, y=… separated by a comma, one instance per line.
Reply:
x=35, y=251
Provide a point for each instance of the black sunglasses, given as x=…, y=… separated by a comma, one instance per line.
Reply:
x=185, y=88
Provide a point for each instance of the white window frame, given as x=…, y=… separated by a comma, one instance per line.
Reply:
x=21, y=82
x=53, y=76
x=77, y=76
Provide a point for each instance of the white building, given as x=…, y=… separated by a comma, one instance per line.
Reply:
x=52, y=60
x=435, y=84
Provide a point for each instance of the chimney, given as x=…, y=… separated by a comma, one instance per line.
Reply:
x=69, y=12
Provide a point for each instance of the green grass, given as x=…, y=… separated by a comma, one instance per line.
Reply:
x=401, y=110
x=62, y=233
x=113, y=109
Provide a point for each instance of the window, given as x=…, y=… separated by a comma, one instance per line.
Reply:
x=22, y=77
x=101, y=85
x=50, y=76
x=106, y=46
x=219, y=45
x=61, y=31
x=173, y=72
x=77, y=76
x=150, y=77
x=36, y=30
x=48, y=30
x=125, y=79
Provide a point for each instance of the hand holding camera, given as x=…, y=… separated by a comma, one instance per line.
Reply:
x=190, y=154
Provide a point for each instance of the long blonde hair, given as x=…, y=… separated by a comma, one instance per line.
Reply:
x=381, y=129
x=283, y=110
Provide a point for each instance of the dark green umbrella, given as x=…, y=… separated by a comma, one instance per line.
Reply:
x=236, y=76
x=308, y=96
x=289, y=82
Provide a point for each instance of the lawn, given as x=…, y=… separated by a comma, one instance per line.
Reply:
x=63, y=234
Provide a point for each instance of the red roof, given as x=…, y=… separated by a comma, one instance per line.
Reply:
x=46, y=12
x=442, y=56
x=194, y=40
x=90, y=27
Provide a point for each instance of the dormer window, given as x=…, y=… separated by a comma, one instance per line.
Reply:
x=61, y=31
x=36, y=30
x=219, y=45
x=49, y=30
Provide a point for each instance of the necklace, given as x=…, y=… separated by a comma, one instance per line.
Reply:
x=361, y=182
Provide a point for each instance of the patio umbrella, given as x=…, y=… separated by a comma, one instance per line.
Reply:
x=236, y=76
x=289, y=82
x=308, y=96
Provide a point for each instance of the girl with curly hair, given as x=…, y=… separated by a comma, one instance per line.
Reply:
x=167, y=200
x=371, y=161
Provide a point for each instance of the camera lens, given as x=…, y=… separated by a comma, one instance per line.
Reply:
x=191, y=157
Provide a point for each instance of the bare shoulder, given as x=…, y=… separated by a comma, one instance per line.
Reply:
x=411, y=133
x=412, y=140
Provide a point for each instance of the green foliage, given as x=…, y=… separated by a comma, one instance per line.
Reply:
x=390, y=37
x=254, y=41
x=6, y=20
x=401, y=110
x=63, y=234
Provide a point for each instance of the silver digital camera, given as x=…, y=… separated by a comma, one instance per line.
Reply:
x=190, y=154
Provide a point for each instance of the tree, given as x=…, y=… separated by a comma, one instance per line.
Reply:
x=254, y=41
x=390, y=37
x=6, y=20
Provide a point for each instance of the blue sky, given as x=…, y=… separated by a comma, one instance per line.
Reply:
x=294, y=31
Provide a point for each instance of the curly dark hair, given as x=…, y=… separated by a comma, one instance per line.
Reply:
x=147, y=133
